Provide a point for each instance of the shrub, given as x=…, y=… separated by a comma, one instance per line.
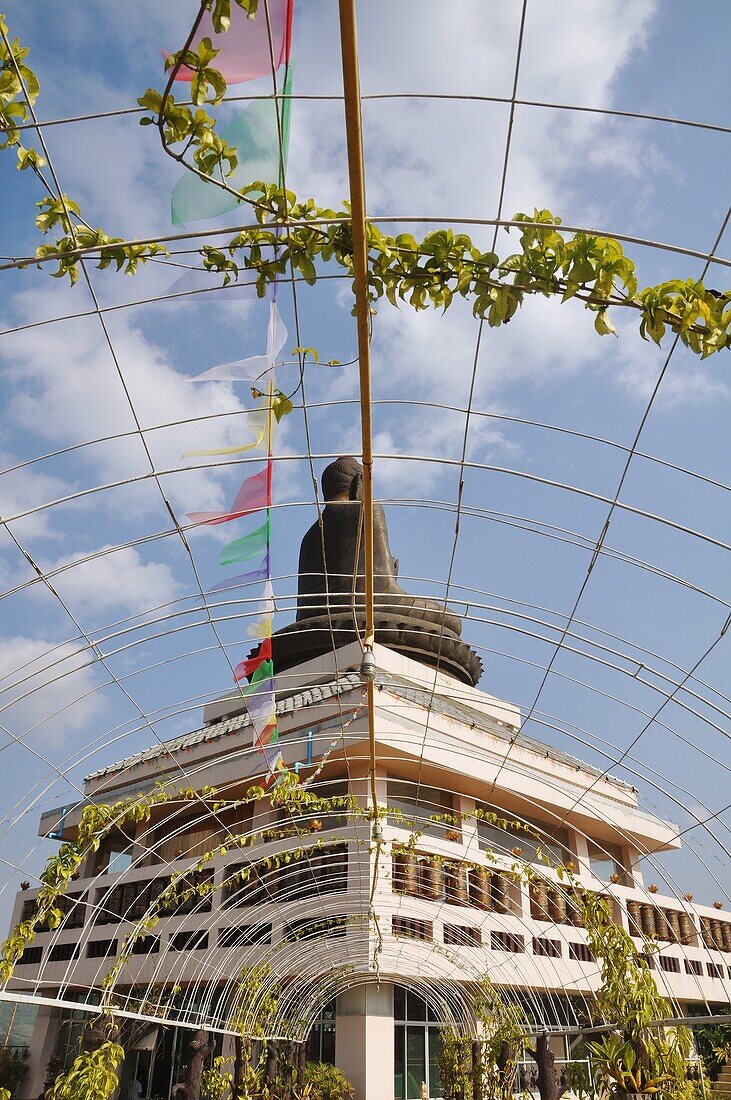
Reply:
x=326, y=1082
x=13, y=1067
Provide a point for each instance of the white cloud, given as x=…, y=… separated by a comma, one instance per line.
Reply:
x=26, y=488
x=47, y=686
x=119, y=580
x=67, y=389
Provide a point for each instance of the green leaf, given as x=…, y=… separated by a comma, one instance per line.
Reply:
x=603, y=325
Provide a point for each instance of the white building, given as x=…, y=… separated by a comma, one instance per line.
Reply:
x=443, y=922
x=374, y=981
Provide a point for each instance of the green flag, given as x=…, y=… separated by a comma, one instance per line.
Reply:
x=250, y=546
x=254, y=132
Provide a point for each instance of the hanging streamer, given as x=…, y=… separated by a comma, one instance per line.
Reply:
x=255, y=134
x=252, y=497
x=255, y=367
x=262, y=627
x=258, y=425
x=250, y=546
x=245, y=669
x=261, y=572
x=245, y=50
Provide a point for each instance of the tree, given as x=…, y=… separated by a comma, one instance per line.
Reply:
x=637, y=1056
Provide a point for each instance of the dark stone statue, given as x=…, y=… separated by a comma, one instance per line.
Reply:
x=330, y=601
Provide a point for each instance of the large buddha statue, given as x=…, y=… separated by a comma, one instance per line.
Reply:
x=330, y=599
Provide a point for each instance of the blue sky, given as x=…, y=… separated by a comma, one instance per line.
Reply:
x=425, y=159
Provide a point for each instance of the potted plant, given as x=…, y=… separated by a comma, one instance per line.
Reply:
x=619, y=1059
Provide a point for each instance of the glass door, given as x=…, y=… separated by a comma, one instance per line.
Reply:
x=417, y=1045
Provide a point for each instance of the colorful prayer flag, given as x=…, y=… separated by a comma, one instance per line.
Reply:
x=253, y=495
x=263, y=656
x=259, y=574
x=257, y=422
x=255, y=367
x=248, y=547
x=262, y=626
x=246, y=50
x=255, y=134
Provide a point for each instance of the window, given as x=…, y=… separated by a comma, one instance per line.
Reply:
x=507, y=941
x=413, y=929
x=73, y=909
x=244, y=934
x=150, y=945
x=417, y=1045
x=31, y=956
x=72, y=1024
x=551, y=949
x=580, y=952
x=461, y=935
x=413, y=805
x=131, y=900
x=336, y=791
x=100, y=949
x=607, y=861
x=669, y=964
x=189, y=836
x=319, y=871
x=693, y=966
x=321, y=1039
x=243, y=885
x=115, y=854
x=542, y=836
x=189, y=941
x=715, y=970
x=63, y=952
x=308, y=929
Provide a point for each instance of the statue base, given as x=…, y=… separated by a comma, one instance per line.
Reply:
x=317, y=635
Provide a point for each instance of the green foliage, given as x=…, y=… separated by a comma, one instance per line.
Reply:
x=19, y=90
x=93, y=1076
x=326, y=1082
x=454, y=1063
x=714, y=1045
x=623, y=1063
x=96, y=821
x=297, y=235
x=13, y=1068
x=217, y=1082
x=500, y=1026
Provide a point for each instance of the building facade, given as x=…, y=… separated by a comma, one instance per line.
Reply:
x=374, y=941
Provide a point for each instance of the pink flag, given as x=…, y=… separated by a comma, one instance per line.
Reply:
x=245, y=50
x=252, y=496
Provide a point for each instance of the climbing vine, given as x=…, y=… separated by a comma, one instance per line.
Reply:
x=299, y=234
x=93, y=1074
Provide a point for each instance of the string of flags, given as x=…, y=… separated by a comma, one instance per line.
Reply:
x=260, y=133
x=254, y=498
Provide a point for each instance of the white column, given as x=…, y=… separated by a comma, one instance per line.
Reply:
x=364, y=1040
